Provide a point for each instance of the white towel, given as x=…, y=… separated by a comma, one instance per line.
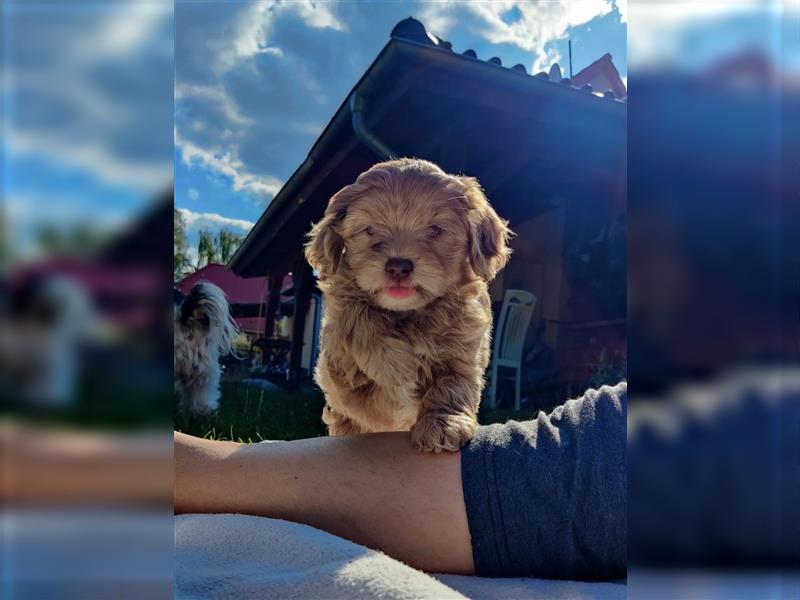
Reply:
x=239, y=556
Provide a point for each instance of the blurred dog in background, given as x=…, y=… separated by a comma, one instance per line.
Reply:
x=44, y=324
x=204, y=333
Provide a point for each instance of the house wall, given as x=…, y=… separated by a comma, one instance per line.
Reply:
x=238, y=290
x=573, y=331
x=536, y=266
x=283, y=328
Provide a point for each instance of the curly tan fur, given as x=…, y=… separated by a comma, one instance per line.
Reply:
x=414, y=363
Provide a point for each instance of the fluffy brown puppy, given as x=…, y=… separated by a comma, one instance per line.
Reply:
x=404, y=256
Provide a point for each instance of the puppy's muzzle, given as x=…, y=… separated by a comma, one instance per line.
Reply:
x=399, y=269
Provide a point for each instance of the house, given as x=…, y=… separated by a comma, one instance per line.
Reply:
x=714, y=210
x=124, y=298
x=125, y=277
x=551, y=157
x=247, y=296
x=602, y=75
x=119, y=358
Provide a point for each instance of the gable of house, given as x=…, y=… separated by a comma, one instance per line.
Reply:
x=603, y=76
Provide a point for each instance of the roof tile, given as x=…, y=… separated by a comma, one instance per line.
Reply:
x=413, y=30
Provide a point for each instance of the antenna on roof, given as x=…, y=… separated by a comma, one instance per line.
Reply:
x=570, y=59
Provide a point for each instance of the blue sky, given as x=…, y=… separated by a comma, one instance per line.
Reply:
x=257, y=82
x=690, y=35
x=89, y=122
x=87, y=113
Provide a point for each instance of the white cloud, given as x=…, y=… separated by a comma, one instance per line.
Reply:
x=538, y=25
x=658, y=35
x=622, y=8
x=192, y=254
x=95, y=104
x=91, y=155
x=214, y=221
x=25, y=213
x=216, y=95
x=193, y=194
x=257, y=82
x=128, y=28
x=317, y=14
x=252, y=29
x=230, y=166
x=195, y=222
x=235, y=115
x=26, y=208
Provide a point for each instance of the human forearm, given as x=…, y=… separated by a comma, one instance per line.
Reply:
x=59, y=467
x=373, y=489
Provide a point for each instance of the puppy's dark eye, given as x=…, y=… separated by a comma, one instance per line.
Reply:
x=436, y=231
x=369, y=231
x=377, y=247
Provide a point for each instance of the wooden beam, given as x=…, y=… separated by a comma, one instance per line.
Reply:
x=303, y=286
x=275, y=284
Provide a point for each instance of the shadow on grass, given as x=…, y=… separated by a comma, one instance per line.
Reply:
x=113, y=395
x=252, y=414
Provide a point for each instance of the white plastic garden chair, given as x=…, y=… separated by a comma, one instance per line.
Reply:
x=509, y=339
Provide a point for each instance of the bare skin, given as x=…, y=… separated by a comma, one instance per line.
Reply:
x=374, y=489
x=62, y=467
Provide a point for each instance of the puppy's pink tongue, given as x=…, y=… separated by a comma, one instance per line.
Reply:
x=401, y=292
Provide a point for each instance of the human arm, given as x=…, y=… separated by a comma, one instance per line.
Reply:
x=373, y=489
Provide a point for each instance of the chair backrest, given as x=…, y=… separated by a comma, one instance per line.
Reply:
x=515, y=317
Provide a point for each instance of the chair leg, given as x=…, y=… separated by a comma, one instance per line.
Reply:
x=517, y=390
x=493, y=387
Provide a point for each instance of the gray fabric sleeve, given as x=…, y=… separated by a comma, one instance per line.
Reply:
x=547, y=497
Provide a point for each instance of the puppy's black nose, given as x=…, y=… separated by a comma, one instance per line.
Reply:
x=399, y=268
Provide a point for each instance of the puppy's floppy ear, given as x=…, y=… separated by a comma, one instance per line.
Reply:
x=325, y=246
x=488, y=233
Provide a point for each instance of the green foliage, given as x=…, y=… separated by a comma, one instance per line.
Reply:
x=180, y=249
x=227, y=243
x=80, y=239
x=210, y=249
x=217, y=249
x=6, y=251
x=206, y=250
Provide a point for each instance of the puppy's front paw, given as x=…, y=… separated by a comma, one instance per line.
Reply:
x=435, y=432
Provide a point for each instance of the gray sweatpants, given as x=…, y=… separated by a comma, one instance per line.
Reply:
x=547, y=497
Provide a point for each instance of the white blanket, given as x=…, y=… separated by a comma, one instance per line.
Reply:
x=238, y=556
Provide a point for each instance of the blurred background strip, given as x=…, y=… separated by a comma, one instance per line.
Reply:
x=85, y=315
x=714, y=300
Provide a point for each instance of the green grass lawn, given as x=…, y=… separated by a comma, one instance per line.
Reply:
x=251, y=414
x=111, y=396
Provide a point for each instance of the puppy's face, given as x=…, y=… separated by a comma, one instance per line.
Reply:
x=406, y=242
x=406, y=233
